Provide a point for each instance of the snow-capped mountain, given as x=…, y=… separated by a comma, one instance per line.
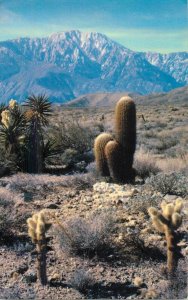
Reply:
x=69, y=64
x=175, y=64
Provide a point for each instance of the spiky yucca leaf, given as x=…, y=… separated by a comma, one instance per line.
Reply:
x=51, y=148
x=39, y=108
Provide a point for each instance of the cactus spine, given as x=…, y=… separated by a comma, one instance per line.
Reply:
x=167, y=222
x=116, y=156
x=37, y=227
x=99, y=149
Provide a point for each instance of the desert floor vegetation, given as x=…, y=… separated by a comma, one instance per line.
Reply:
x=101, y=242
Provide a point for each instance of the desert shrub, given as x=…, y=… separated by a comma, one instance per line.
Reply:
x=86, y=236
x=81, y=280
x=141, y=203
x=7, y=220
x=70, y=156
x=173, y=183
x=75, y=136
x=13, y=291
x=166, y=143
x=22, y=182
x=145, y=165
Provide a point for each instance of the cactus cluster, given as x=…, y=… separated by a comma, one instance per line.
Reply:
x=37, y=228
x=168, y=221
x=114, y=157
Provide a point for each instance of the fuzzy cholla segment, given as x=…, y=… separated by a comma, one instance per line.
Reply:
x=170, y=215
x=37, y=226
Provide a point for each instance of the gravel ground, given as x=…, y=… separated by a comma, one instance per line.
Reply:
x=134, y=266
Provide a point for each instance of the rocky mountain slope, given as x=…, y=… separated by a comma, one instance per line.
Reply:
x=69, y=64
x=174, y=64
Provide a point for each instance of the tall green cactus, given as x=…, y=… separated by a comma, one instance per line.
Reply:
x=125, y=124
x=99, y=146
x=118, y=154
x=125, y=130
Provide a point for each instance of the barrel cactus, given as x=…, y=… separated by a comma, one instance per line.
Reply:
x=115, y=156
x=99, y=146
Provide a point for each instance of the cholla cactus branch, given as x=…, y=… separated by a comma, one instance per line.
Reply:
x=167, y=222
x=37, y=227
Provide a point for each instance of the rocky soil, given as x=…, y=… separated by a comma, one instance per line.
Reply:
x=132, y=267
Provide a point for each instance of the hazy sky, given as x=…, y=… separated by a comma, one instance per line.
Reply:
x=143, y=25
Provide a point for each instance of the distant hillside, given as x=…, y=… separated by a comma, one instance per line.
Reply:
x=98, y=100
x=179, y=95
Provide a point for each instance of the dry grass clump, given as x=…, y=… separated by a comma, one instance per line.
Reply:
x=175, y=164
x=82, y=280
x=86, y=236
x=145, y=164
x=8, y=196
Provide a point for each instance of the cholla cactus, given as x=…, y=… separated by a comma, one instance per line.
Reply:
x=6, y=118
x=167, y=222
x=37, y=227
x=12, y=104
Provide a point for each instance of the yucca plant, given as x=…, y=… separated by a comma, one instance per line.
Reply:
x=2, y=108
x=12, y=132
x=38, y=111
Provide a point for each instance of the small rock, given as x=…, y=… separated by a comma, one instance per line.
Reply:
x=131, y=223
x=118, y=202
x=170, y=197
x=22, y=269
x=15, y=276
x=54, y=276
x=138, y=281
x=52, y=206
x=30, y=277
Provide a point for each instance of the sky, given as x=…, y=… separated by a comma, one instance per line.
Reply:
x=141, y=25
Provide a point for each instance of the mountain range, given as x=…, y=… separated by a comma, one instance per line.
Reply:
x=69, y=64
